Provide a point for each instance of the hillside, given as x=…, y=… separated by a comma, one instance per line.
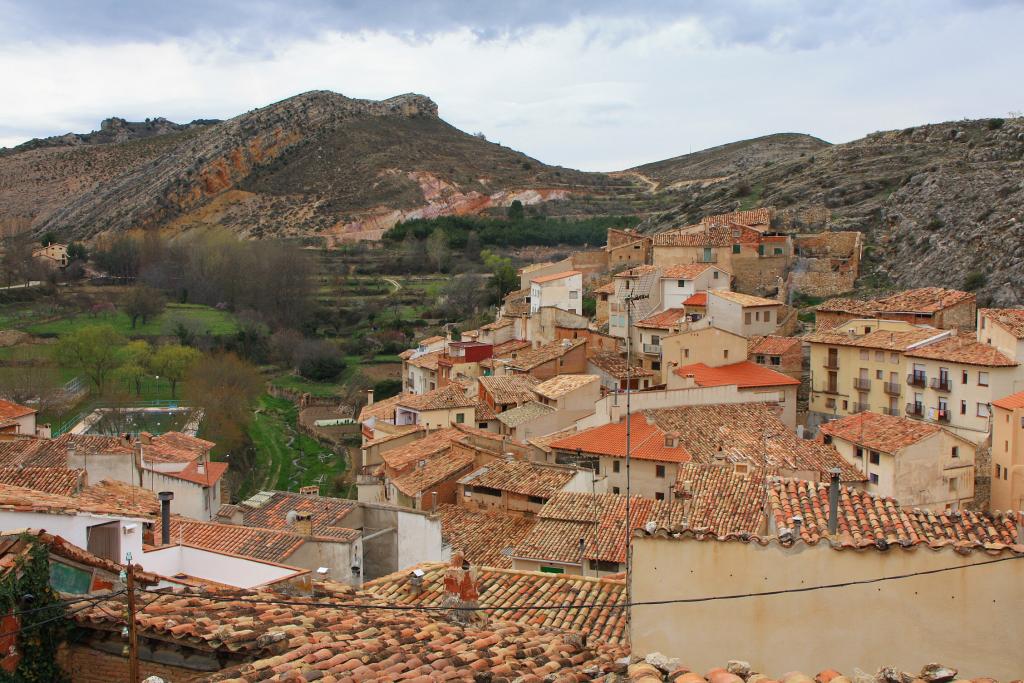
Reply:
x=939, y=203
x=315, y=164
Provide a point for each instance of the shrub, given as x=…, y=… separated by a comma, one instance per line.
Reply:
x=975, y=280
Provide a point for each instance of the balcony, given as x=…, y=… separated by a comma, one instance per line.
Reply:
x=942, y=415
x=941, y=384
x=917, y=379
x=828, y=389
x=653, y=349
x=862, y=383
x=891, y=412
x=831, y=364
x=861, y=407
x=915, y=410
x=892, y=388
x=707, y=259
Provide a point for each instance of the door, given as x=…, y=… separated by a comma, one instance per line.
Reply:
x=104, y=541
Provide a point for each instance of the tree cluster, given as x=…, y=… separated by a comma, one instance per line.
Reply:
x=517, y=230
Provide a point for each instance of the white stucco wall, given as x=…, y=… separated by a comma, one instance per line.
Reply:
x=205, y=564
x=419, y=539
x=75, y=528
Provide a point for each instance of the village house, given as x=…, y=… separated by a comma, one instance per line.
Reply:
x=705, y=344
x=935, y=556
x=502, y=392
x=460, y=361
x=601, y=297
x=54, y=255
x=919, y=464
x=1007, y=474
x=655, y=457
x=944, y=309
x=647, y=335
x=563, y=357
x=419, y=371
x=751, y=380
x=1003, y=328
x=782, y=354
x=615, y=375
x=572, y=395
x=743, y=314
x=543, y=326
x=830, y=262
x=20, y=421
x=627, y=248
x=558, y=290
x=498, y=332
x=436, y=409
x=584, y=533
x=531, y=419
x=481, y=536
x=681, y=282
x=638, y=290
x=519, y=487
x=724, y=498
x=383, y=538
x=859, y=366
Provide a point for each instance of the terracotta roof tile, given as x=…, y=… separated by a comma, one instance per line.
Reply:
x=607, y=288
x=745, y=300
x=560, y=385
x=53, y=452
x=749, y=433
x=886, y=340
x=427, y=361
x=59, y=480
x=175, y=447
x=14, y=410
x=880, y=432
x=447, y=397
x=383, y=409
x=698, y=299
x=963, y=349
x=427, y=341
x=925, y=300
x=431, y=471
x=744, y=375
x=482, y=536
x=204, y=474
x=647, y=442
x=503, y=349
x=615, y=365
x=18, y=499
x=687, y=271
x=531, y=410
x=510, y=389
x=528, y=359
x=259, y=544
x=722, y=500
x=544, y=442
x=637, y=271
x=761, y=216
x=1012, y=319
x=1010, y=402
x=119, y=495
x=16, y=543
x=707, y=235
x=664, y=320
x=269, y=510
x=555, y=276
x=521, y=477
x=400, y=457
x=771, y=345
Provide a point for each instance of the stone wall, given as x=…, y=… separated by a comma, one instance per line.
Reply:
x=758, y=275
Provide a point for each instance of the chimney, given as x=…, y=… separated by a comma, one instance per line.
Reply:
x=165, y=516
x=304, y=523
x=461, y=590
x=369, y=397
x=416, y=582
x=833, y=501
x=798, y=522
x=433, y=501
x=201, y=467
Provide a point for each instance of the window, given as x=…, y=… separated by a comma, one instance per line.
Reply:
x=551, y=570
x=894, y=358
x=686, y=353
x=537, y=500
x=760, y=359
x=604, y=566
x=708, y=254
x=865, y=354
x=878, y=374
x=963, y=407
x=982, y=379
x=460, y=418
x=659, y=471
x=746, y=317
x=982, y=410
x=481, y=425
x=859, y=453
x=873, y=478
x=963, y=377
x=867, y=329
x=681, y=283
x=776, y=360
x=879, y=356
x=983, y=321
x=757, y=316
x=828, y=439
x=760, y=250
x=655, y=340
x=846, y=404
x=725, y=353
x=659, y=496
x=874, y=457
x=778, y=251
x=955, y=452
x=615, y=466
x=655, y=365
x=999, y=470
x=627, y=284
x=670, y=441
x=735, y=248
x=615, y=490
x=714, y=275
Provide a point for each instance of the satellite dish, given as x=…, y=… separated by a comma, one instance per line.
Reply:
x=291, y=516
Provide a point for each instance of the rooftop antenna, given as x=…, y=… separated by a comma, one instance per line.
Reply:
x=630, y=298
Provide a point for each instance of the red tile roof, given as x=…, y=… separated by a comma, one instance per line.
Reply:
x=482, y=536
x=383, y=409
x=53, y=452
x=521, y=477
x=963, y=349
x=614, y=365
x=14, y=410
x=15, y=544
x=212, y=474
x=722, y=500
x=59, y=480
x=119, y=495
x=259, y=544
x=175, y=447
x=555, y=276
x=510, y=389
x=745, y=300
x=666, y=319
x=771, y=345
x=698, y=299
x=446, y=398
x=269, y=510
x=432, y=471
x=687, y=271
x=1010, y=402
x=647, y=442
x=744, y=375
x=926, y=300
x=761, y=216
x=886, y=340
x=707, y=235
x=429, y=444
x=19, y=499
x=528, y=359
x=879, y=432
x=1012, y=319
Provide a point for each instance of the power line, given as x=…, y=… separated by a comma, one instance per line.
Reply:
x=63, y=615
x=592, y=605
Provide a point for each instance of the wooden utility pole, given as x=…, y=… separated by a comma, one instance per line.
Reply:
x=133, y=641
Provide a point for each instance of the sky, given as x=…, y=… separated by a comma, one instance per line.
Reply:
x=590, y=84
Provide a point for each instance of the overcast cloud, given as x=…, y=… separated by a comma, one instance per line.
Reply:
x=598, y=85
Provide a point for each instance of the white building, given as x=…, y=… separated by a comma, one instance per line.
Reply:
x=561, y=290
x=679, y=283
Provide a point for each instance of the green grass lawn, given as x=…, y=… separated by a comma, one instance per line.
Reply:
x=202, y=319
x=285, y=458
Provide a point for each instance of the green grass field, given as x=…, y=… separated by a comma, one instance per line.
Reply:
x=285, y=458
x=201, y=319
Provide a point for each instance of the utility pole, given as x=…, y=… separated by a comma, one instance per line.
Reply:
x=629, y=434
x=133, y=641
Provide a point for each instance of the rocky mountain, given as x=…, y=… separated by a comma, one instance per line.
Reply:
x=941, y=204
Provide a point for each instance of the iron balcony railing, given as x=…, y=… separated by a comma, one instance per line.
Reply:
x=862, y=383
x=861, y=407
x=892, y=412
x=917, y=379
x=942, y=415
x=915, y=410
x=892, y=388
x=652, y=348
x=831, y=364
x=941, y=383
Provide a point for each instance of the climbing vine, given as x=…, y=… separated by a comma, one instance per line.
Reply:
x=42, y=619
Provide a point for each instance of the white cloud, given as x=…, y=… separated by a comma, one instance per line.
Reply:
x=591, y=93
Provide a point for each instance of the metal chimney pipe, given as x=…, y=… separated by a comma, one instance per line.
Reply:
x=433, y=501
x=833, y=501
x=165, y=516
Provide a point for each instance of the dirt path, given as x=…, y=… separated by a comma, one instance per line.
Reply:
x=394, y=283
x=652, y=185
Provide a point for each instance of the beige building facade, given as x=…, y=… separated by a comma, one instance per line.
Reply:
x=1008, y=453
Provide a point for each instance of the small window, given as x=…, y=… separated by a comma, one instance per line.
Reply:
x=963, y=407
x=735, y=248
x=615, y=490
x=686, y=353
x=537, y=500
x=760, y=360
x=778, y=251
x=604, y=566
x=615, y=466
x=963, y=377
x=894, y=358
x=747, y=318
x=982, y=410
x=879, y=356
x=659, y=471
x=865, y=354
x=776, y=360
x=875, y=457
x=659, y=496
x=725, y=353
x=551, y=570
x=982, y=379
x=481, y=425
x=828, y=439
x=767, y=316
x=760, y=250
x=681, y=283
x=873, y=478
x=955, y=452
x=714, y=275
x=846, y=404
x=757, y=316
x=460, y=418
x=878, y=374
x=655, y=365
x=859, y=453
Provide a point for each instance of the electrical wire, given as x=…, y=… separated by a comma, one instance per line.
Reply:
x=571, y=606
x=63, y=615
